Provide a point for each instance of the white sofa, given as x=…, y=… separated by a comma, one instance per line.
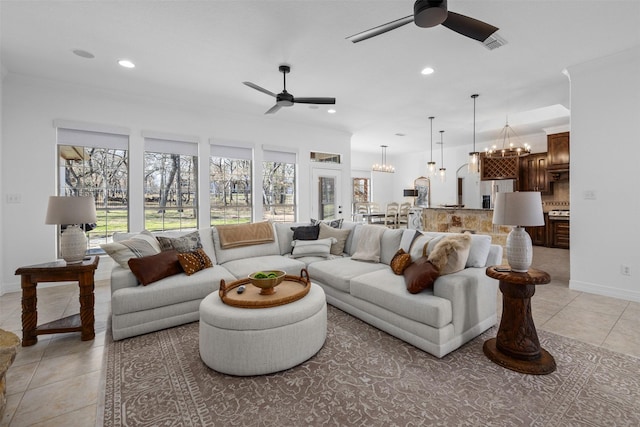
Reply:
x=459, y=307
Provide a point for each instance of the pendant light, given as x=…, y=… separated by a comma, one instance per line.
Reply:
x=384, y=167
x=431, y=166
x=443, y=171
x=474, y=157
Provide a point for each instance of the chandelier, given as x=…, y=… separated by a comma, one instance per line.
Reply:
x=510, y=147
x=383, y=167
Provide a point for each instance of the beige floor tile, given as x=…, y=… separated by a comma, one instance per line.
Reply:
x=581, y=324
x=632, y=312
x=53, y=400
x=13, y=401
x=26, y=355
x=66, y=344
x=622, y=343
x=556, y=294
x=82, y=417
x=19, y=377
x=599, y=304
x=56, y=369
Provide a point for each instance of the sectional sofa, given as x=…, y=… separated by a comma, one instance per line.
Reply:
x=458, y=307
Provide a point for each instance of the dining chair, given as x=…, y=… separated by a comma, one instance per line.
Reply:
x=391, y=215
x=403, y=214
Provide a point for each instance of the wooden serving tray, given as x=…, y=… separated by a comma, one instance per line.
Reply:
x=291, y=289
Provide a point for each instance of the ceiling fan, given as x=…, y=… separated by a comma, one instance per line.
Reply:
x=429, y=13
x=284, y=98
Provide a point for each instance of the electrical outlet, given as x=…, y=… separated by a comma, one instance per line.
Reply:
x=589, y=194
x=625, y=270
x=14, y=198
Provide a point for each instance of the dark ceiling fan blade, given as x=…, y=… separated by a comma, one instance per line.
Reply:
x=314, y=100
x=261, y=89
x=273, y=109
x=469, y=27
x=381, y=29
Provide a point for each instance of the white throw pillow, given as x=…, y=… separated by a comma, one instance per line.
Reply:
x=320, y=247
x=138, y=246
x=479, y=252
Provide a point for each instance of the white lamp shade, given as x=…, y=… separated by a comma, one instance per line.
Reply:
x=523, y=208
x=71, y=210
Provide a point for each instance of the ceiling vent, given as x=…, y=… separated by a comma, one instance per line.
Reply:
x=494, y=41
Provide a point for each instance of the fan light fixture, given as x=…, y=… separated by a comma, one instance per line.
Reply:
x=473, y=164
x=431, y=166
x=509, y=148
x=384, y=167
x=442, y=173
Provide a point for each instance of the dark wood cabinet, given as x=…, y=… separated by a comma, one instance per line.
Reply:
x=558, y=152
x=533, y=174
x=559, y=234
x=539, y=234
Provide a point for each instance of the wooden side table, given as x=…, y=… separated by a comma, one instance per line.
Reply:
x=58, y=271
x=516, y=345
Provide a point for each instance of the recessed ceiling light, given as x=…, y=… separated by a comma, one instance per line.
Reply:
x=331, y=111
x=426, y=71
x=313, y=107
x=401, y=134
x=126, y=63
x=83, y=53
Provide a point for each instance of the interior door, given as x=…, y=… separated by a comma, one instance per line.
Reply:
x=326, y=197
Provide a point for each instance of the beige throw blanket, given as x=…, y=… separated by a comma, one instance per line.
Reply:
x=236, y=235
x=368, y=248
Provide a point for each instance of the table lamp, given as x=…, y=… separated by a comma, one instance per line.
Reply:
x=72, y=211
x=520, y=209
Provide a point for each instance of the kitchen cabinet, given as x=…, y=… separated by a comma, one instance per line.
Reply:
x=539, y=234
x=559, y=234
x=533, y=174
x=558, y=152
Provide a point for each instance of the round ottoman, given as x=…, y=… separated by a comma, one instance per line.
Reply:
x=257, y=341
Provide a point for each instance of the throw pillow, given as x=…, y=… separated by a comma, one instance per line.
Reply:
x=400, y=261
x=152, y=268
x=369, y=238
x=192, y=262
x=138, y=246
x=423, y=245
x=479, y=251
x=306, y=232
x=420, y=275
x=333, y=223
x=187, y=243
x=450, y=254
x=339, y=234
x=320, y=247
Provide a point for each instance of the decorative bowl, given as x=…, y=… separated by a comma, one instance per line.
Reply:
x=267, y=284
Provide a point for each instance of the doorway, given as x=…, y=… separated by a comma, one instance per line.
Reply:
x=326, y=199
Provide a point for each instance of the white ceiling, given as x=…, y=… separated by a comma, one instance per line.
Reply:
x=200, y=52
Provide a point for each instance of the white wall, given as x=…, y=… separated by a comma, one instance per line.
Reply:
x=28, y=165
x=605, y=127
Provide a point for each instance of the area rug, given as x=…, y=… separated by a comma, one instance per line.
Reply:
x=365, y=377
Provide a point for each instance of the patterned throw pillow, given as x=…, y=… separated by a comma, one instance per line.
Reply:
x=138, y=246
x=192, y=262
x=400, y=261
x=334, y=223
x=187, y=243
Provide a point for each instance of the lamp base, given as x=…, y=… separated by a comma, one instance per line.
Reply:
x=73, y=244
x=519, y=250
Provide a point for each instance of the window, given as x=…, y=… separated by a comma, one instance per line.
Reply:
x=279, y=186
x=325, y=157
x=96, y=164
x=360, y=190
x=170, y=185
x=230, y=185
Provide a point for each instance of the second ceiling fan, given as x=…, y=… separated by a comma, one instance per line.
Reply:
x=284, y=98
x=429, y=13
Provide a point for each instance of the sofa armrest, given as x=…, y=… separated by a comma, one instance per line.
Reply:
x=473, y=296
x=122, y=278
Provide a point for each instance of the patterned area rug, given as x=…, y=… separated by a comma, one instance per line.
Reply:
x=365, y=377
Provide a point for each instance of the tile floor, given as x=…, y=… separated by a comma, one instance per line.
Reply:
x=57, y=382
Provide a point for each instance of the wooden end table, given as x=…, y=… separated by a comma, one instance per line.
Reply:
x=516, y=345
x=58, y=271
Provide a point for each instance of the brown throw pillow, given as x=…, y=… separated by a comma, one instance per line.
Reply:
x=420, y=275
x=152, y=268
x=400, y=261
x=194, y=261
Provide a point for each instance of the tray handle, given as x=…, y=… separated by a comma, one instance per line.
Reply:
x=223, y=288
x=304, y=274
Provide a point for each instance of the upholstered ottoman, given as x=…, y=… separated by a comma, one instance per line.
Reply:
x=257, y=341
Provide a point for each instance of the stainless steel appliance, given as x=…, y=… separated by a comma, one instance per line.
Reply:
x=559, y=231
x=559, y=214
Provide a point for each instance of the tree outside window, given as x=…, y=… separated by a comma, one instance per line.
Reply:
x=230, y=190
x=170, y=191
x=104, y=174
x=279, y=191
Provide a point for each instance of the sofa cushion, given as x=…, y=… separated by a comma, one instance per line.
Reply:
x=385, y=289
x=186, y=243
x=389, y=244
x=152, y=268
x=349, y=246
x=314, y=248
x=136, y=246
x=338, y=272
x=241, y=268
x=479, y=251
x=450, y=253
x=284, y=235
x=243, y=252
x=420, y=275
x=194, y=261
x=339, y=234
x=169, y=291
x=424, y=244
x=368, y=246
